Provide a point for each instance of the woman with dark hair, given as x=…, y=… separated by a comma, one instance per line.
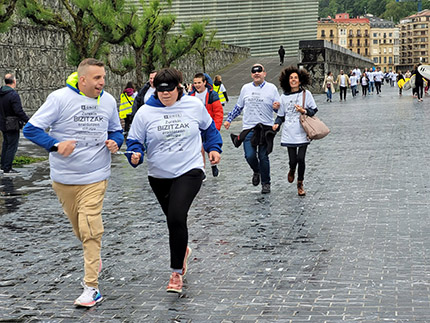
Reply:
x=293, y=135
x=170, y=128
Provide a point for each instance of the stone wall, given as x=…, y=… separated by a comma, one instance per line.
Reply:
x=320, y=56
x=37, y=57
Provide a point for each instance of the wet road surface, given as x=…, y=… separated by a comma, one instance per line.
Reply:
x=354, y=249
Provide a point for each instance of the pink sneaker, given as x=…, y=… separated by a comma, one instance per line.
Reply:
x=175, y=283
x=185, y=265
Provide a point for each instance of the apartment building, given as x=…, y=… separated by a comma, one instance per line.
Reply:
x=414, y=40
x=369, y=36
x=350, y=33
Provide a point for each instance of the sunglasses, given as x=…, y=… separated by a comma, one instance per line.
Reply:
x=256, y=69
x=165, y=87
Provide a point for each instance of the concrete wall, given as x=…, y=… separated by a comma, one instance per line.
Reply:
x=37, y=57
x=320, y=56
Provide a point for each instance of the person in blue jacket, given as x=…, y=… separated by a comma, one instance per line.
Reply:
x=84, y=130
x=170, y=129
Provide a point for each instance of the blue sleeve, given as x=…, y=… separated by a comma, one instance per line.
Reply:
x=39, y=136
x=234, y=113
x=279, y=120
x=135, y=145
x=211, y=138
x=116, y=136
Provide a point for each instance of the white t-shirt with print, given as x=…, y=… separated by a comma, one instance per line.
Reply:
x=257, y=103
x=292, y=130
x=71, y=116
x=171, y=136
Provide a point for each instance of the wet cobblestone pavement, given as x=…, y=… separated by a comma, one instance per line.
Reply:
x=354, y=249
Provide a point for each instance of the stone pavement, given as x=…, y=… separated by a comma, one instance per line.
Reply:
x=354, y=249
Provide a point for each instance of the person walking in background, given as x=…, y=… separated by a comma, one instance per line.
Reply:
x=84, y=131
x=371, y=80
x=126, y=101
x=220, y=89
x=258, y=100
x=328, y=86
x=378, y=76
x=293, y=135
x=400, y=77
x=281, y=53
x=343, y=82
x=353, y=81
x=202, y=89
x=364, y=81
x=419, y=83
x=12, y=117
x=170, y=128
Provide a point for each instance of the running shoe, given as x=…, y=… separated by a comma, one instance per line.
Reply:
x=185, y=266
x=215, y=171
x=90, y=297
x=256, y=179
x=175, y=283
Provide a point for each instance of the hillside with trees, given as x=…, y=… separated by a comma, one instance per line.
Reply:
x=386, y=9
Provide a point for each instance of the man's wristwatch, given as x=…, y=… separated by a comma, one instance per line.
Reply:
x=54, y=148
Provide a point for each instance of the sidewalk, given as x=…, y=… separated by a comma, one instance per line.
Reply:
x=354, y=249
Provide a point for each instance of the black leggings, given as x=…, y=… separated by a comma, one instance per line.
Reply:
x=175, y=196
x=297, y=156
x=364, y=89
x=419, y=89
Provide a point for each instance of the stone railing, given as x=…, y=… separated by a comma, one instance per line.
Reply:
x=320, y=56
x=37, y=57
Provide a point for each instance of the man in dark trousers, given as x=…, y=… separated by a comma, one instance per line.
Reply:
x=281, y=53
x=10, y=106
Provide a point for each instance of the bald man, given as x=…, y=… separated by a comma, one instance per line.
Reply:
x=258, y=100
x=12, y=116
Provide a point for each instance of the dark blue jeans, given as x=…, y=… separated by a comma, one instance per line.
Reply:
x=258, y=159
x=9, y=148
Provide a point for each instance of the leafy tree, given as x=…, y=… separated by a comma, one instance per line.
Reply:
x=206, y=44
x=7, y=7
x=79, y=18
x=153, y=44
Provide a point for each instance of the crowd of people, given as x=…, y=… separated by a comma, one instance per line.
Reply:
x=175, y=126
x=371, y=80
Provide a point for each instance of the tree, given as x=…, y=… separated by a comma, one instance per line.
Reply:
x=79, y=19
x=153, y=44
x=174, y=46
x=7, y=7
x=206, y=44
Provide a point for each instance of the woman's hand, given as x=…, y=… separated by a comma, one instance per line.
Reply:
x=275, y=127
x=300, y=109
x=135, y=158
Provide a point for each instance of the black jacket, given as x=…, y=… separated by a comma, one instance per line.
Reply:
x=139, y=99
x=10, y=105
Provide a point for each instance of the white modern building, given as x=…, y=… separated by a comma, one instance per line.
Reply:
x=261, y=25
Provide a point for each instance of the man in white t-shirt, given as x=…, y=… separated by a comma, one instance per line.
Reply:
x=258, y=100
x=84, y=130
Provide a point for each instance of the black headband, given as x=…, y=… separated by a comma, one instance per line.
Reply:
x=256, y=69
x=162, y=87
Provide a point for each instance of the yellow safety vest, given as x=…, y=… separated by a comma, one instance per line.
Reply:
x=220, y=94
x=126, y=102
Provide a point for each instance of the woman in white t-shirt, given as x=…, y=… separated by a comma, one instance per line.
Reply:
x=169, y=127
x=293, y=135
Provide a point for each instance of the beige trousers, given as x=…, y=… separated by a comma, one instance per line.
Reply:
x=83, y=206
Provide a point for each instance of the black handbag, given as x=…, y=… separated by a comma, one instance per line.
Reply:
x=12, y=123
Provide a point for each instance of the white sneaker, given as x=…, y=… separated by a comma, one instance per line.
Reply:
x=90, y=297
